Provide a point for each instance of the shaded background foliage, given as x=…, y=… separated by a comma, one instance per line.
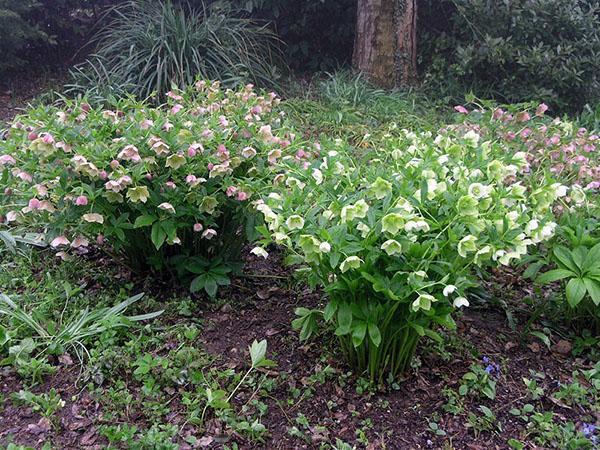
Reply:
x=509, y=50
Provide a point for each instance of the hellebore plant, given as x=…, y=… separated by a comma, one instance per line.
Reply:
x=394, y=238
x=164, y=185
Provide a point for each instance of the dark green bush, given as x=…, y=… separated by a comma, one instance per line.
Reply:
x=16, y=32
x=318, y=34
x=150, y=46
x=513, y=50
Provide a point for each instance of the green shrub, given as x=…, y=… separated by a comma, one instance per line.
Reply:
x=162, y=187
x=394, y=238
x=514, y=50
x=149, y=47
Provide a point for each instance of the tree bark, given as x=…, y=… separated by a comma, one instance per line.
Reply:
x=385, y=44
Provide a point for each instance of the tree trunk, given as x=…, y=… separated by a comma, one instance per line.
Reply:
x=385, y=44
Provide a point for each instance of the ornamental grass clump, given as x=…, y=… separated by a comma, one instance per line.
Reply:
x=394, y=238
x=154, y=186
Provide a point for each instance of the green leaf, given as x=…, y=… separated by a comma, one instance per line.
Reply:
x=575, y=291
x=374, y=334
x=344, y=319
x=593, y=288
x=593, y=257
x=542, y=337
x=554, y=275
x=258, y=350
x=157, y=235
x=4, y=336
x=532, y=270
x=359, y=331
x=330, y=310
x=564, y=257
x=579, y=255
x=463, y=389
x=144, y=221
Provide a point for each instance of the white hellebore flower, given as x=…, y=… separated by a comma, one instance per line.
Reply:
x=324, y=247
x=295, y=222
x=559, y=190
x=460, y=302
x=318, y=176
x=414, y=226
x=259, y=251
x=449, y=290
x=167, y=207
x=479, y=190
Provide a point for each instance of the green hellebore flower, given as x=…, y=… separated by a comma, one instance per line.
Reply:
x=351, y=262
x=467, y=244
x=208, y=204
x=175, y=161
x=391, y=247
x=138, y=194
x=392, y=223
x=380, y=188
x=467, y=206
x=423, y=302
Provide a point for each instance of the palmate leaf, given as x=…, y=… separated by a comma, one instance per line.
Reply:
x=576, y=290
x=555, y=275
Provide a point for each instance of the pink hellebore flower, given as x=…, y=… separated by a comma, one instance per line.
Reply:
x=525, y=133
x=193, y=149
x=198, y=227
x=82, y=200
x=6, y=160
x=146, y=123
x=223, y=121
x=130, y=153
x=174, y=96
x=541, y=109
x=241, y=196
x=231, y=190
x=100, y=239
x=176, y=108
x=171, y=185
x=25, y=177
x=80, y=241
x=461, y=109
x=58, y=241
x=47, y=138
x=523, y=116
x=592, y=185
x=34, y=204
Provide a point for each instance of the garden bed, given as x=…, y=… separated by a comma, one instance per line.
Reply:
x=309, y=399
